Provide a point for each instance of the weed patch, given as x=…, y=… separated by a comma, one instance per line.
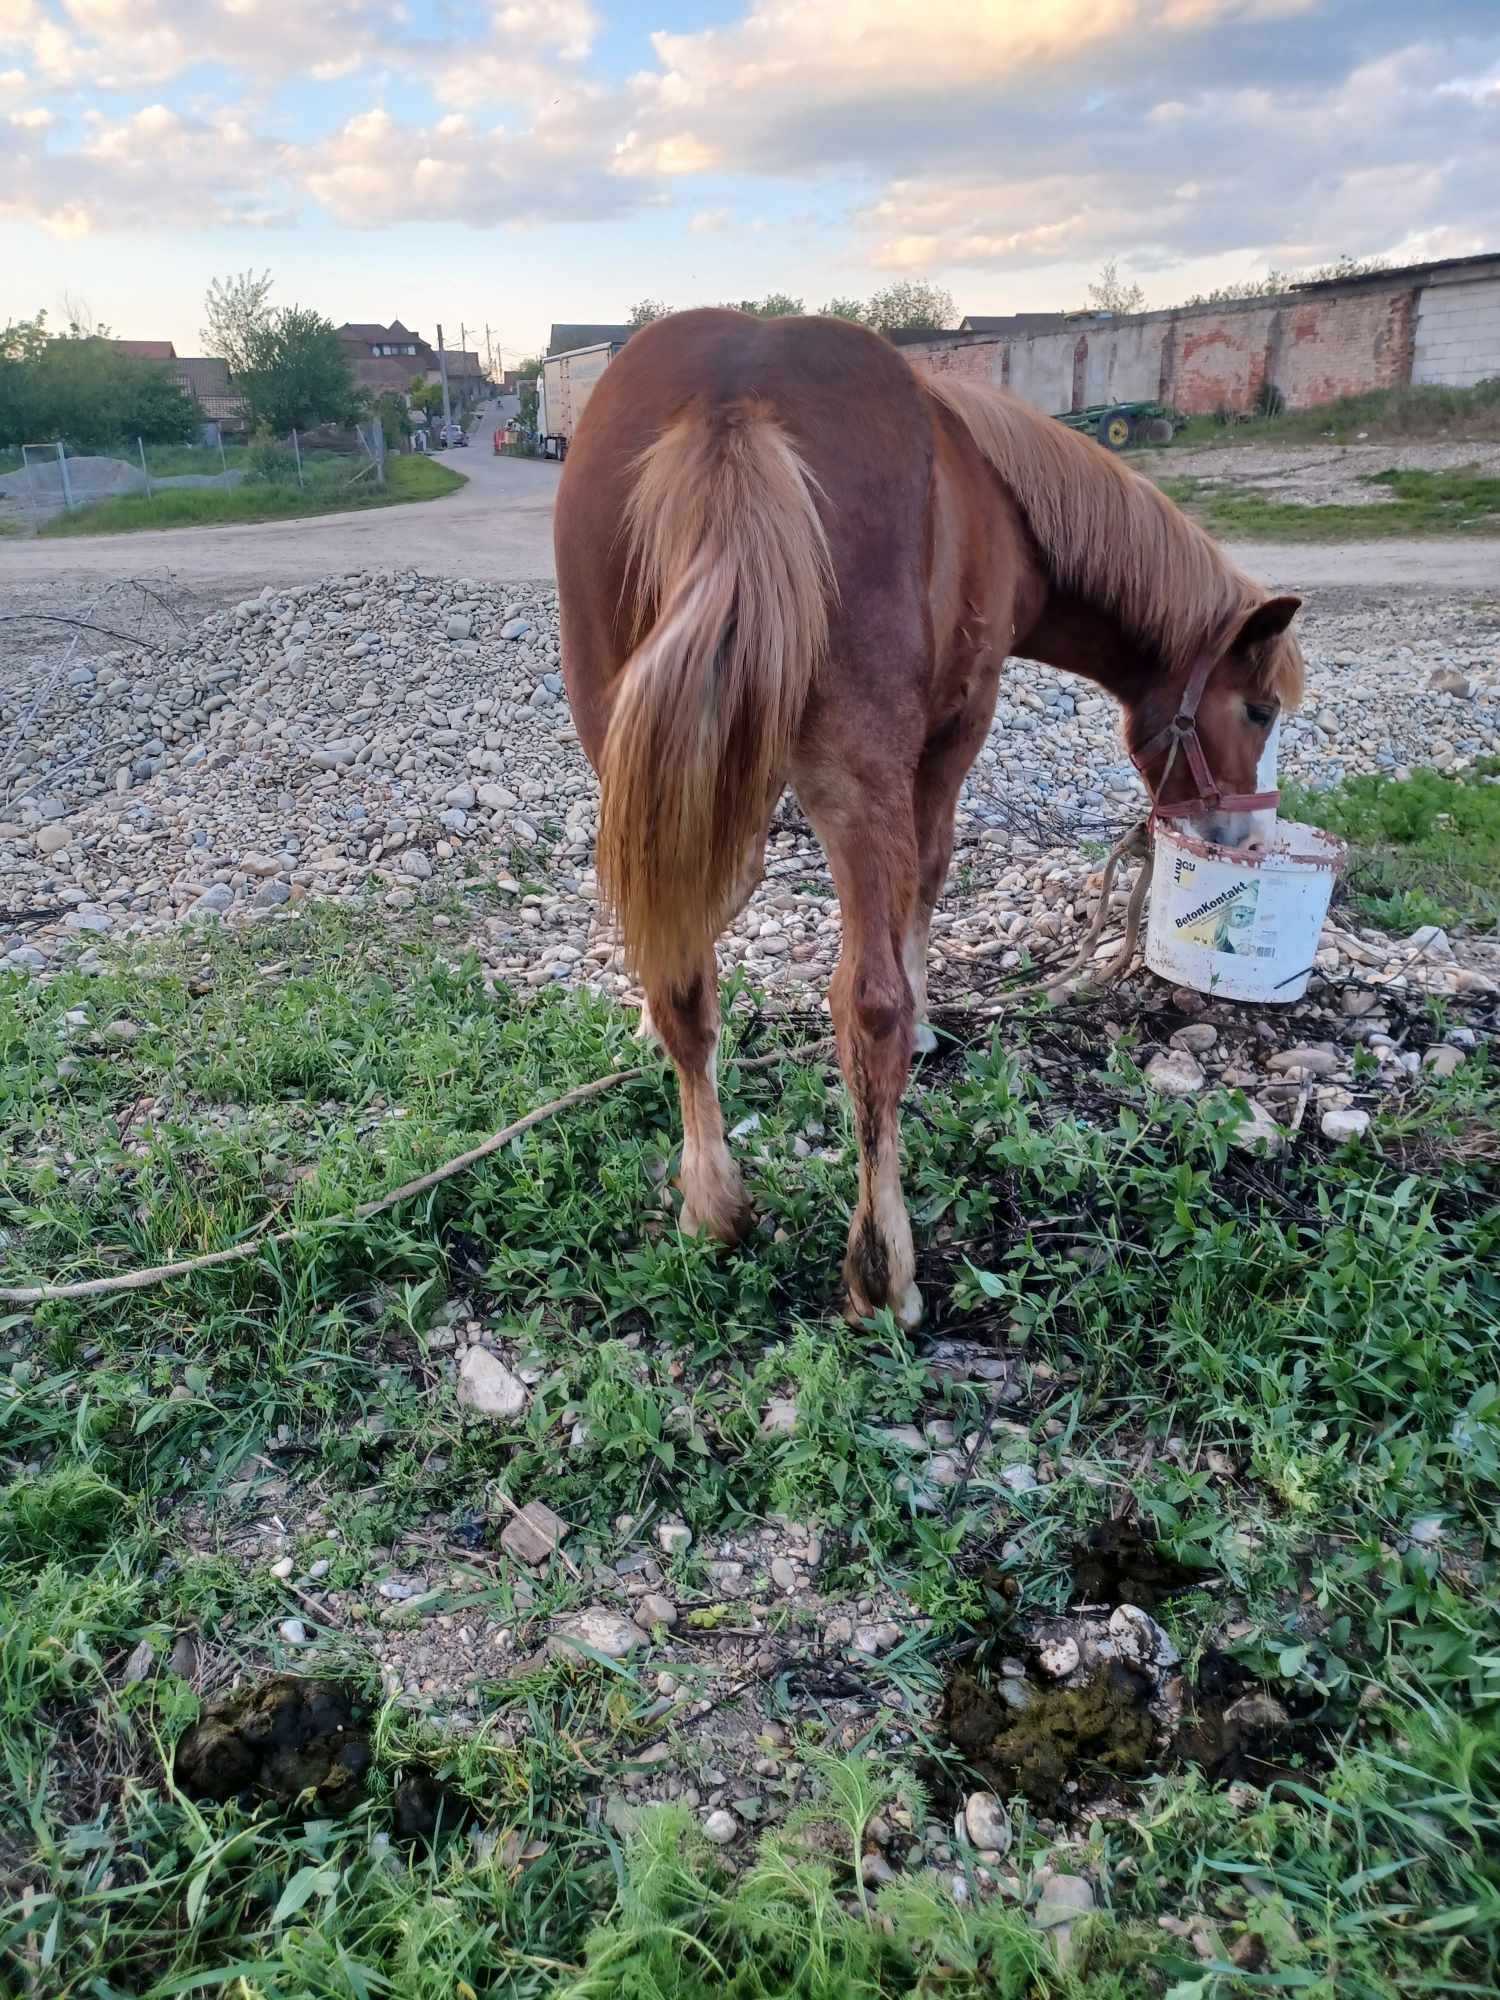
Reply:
x=1421, y=503
x=1282, y=1375
x=1423, y=849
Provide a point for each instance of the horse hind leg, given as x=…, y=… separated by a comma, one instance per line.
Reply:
x=686, y=1018
x=751, y=873
x=872, y=853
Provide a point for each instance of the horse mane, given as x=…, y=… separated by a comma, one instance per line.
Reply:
x=1111, y=538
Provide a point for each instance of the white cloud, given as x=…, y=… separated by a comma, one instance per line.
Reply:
x=123, y=44
x=997, y=136
x=377, y=171
x=153, y=170
x=1284, y=177
x=567, y=27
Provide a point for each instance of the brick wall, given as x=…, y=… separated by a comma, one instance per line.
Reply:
x=1313, y=346
x=1338, y=344
x=1457, y=334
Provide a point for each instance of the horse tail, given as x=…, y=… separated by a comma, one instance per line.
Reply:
x=731, y=567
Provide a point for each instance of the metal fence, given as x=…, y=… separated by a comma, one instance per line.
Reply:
x=53, y=478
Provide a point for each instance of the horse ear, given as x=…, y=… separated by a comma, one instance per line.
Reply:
x=1268, y=621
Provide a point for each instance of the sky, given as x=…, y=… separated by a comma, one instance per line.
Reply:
x=500, y=167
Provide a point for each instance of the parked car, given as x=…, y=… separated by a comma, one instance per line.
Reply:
x=455, y=434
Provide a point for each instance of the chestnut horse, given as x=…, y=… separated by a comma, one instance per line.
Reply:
x=785, y=557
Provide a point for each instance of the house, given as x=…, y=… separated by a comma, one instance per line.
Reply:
x=206, y=379
x=146, y=350
x=385, y=357
x=467, y=382
x=566, y=336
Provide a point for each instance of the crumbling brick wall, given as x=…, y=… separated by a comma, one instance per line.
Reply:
x=1311, y=346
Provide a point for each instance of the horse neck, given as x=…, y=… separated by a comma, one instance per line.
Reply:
x=1078, y=638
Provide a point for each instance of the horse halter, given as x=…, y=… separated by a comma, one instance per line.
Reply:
x=1181, y=735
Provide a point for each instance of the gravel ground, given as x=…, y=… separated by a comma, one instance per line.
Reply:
x=400, y=736
x=1318, y=475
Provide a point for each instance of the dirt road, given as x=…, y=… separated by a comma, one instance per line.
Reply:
x=499, y=528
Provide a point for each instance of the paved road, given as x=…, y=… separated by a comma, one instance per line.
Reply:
x=497, y=527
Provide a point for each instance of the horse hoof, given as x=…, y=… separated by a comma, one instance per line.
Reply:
x=908, y=1310
x=729, y=1227
x=926, y=1038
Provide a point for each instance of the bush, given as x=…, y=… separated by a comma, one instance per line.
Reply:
x=79, y=387
x=270, y=462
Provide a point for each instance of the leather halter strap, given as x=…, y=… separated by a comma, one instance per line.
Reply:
x=1180, y=737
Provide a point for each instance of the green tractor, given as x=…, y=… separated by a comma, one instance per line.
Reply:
x=1118, y=426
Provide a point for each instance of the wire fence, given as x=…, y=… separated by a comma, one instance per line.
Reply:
x=51, y=477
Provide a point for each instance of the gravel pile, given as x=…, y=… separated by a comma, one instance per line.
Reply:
x=397, y=736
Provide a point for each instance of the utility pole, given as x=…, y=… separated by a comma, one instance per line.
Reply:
x=489, y=352
x=443, y=372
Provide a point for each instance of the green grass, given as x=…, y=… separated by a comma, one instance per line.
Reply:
x=1422, y=850
x=1375, y=416
x=412, y=478
x=1329, y=1321
x=1422, y=503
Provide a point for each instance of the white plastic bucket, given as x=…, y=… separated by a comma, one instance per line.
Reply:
x=1240, y=923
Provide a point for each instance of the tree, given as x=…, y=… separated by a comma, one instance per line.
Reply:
x=21, y=346
x=390, y=407
x=854, y=309
x=236, y=310
x=426, y=396
x=644, y=311
x=79, y=387
x=775, y=305
x=910, y=302
x=296, y=373
x=1109, y=292
x=1274, y=282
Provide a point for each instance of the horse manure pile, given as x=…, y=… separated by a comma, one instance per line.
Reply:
x=1064, y=1746
x=1116, y=1564
x=300, y=1742
x=1097, y=1700
x=422, y=1806
x=305, y=1744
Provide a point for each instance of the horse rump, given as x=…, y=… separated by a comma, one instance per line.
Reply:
x=732, y=579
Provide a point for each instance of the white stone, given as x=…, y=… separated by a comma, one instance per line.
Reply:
x=600, y=1628
x=1257, y=1131
x=487, y=1385
x=1059, y=1657
x=1177, y=1073
x=721, y=1827
x=1345, y=1121
x=987, y=1823
x=1140, y=1641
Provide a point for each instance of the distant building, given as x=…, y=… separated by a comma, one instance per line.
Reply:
x=146, y=350
x=1017, y=325
x=206, y=379
x=566, y=336
x=467, y=381
x=386, y=357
